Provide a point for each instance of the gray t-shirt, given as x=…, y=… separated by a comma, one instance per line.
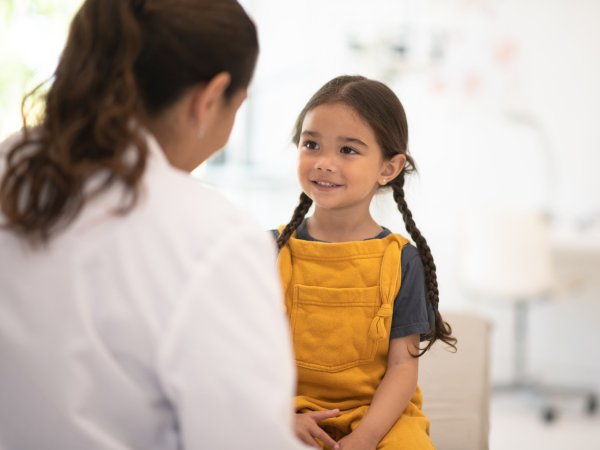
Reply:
x=412, y=312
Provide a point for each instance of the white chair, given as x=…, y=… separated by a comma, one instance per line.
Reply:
x=507, y=257
x=456, y=386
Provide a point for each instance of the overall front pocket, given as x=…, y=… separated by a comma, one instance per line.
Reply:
x=330, y=326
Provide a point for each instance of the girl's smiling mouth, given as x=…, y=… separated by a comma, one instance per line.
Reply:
x=325, y=185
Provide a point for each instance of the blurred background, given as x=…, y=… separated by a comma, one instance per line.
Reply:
x=503, y=105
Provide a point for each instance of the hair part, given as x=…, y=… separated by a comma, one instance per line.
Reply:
x=379, y=107
x=122, y=58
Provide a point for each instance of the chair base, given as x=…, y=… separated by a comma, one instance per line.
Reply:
x=544, y=394
x=547, y=397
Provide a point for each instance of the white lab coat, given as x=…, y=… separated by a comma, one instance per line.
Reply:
x=159, y=329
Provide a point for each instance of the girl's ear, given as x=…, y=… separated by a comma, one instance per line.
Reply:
x=207, y=98
x=391, y=169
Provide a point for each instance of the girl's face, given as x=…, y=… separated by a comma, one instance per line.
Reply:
x=340, y=163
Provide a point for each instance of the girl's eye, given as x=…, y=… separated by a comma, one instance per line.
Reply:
x=311, y=145
x=348, y=151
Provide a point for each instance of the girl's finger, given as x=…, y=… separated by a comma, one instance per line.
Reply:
x=325, y=438
x=317, y=416
x=309, y=440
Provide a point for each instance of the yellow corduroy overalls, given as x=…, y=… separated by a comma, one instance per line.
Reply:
x=339, y=299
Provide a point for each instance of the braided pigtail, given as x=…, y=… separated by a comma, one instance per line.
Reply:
x=442, y=330
x=297, y=218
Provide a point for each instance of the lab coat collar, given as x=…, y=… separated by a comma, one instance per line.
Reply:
x=155, y=151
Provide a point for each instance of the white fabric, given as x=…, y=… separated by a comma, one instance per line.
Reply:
x=159, y=329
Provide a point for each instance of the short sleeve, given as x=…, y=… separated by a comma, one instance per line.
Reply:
x=412, y=312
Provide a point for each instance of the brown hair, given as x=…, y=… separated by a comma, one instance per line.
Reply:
x=121, y=58
x=381, y=109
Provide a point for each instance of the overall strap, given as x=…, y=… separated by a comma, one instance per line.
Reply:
x=389, y=284
x=284, y=262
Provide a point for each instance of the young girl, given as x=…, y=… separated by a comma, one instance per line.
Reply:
x=359, y=298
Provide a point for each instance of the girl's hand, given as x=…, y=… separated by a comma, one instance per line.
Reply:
x=356, y=441
x=308, y=429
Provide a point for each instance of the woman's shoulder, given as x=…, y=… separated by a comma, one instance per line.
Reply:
x=179, y=197
x=202, y=210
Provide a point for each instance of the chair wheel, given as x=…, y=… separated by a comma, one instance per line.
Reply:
x=591, y=405
x=549, y=414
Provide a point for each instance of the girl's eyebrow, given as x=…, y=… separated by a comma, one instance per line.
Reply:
x=352, y=140
x=310, y=133
x=344, y=139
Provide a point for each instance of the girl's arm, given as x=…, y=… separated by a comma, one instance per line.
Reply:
x=391, y=397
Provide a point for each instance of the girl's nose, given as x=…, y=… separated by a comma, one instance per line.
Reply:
x=325, y=164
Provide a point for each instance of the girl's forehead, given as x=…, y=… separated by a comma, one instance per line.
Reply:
x=336, y=115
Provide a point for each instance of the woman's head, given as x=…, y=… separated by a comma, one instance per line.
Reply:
x=375, y=103
x=123, y=60
x=189, y=41
x=150, y=52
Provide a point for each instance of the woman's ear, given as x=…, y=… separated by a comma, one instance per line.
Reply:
x=207, y=99
x=391, y=169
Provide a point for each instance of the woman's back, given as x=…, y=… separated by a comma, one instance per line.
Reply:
x=102, y=328
x=138, y=309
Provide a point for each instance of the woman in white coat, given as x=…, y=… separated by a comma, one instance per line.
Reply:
x=138, y=309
